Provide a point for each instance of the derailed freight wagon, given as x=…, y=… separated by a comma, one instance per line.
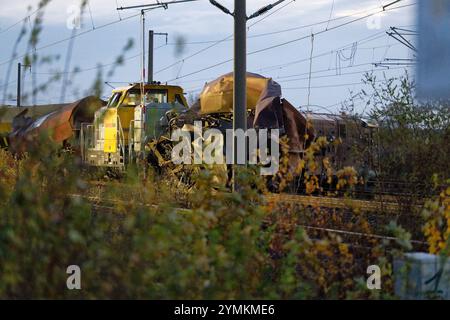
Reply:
x=61, y=124
x=350, y=140
x=266, y=109
x=8, y=113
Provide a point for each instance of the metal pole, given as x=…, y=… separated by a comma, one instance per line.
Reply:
x=143, y=46
x=151, y=34
x=240, y=73
x=19, y=69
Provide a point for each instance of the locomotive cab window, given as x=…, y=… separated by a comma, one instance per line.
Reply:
x=133, y=98
x=156, y=96
x=114, y=100
x=179, y=100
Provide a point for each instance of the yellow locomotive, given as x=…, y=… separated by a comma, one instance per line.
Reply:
x=132, y=117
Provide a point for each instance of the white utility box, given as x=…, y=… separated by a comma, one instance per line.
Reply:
x=421, y=275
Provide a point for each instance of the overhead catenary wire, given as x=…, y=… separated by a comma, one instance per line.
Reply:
x=95, y=67
x=290, y=63
x=341, y=74
x=229, y=38
x=366, y=39
x=328, y=86
x=316, y=71
x=186, y=58
x=214, y=44
x=307, y=78
x=310, y=68
x=324, y=30
x=329, y=69
x=271, y=13
x=90, y=14
x=79, y=34
x=286, y=42
x=27, y=17
x=331, y=14
x=280, y=78
x=8, y=84
x=179, y=76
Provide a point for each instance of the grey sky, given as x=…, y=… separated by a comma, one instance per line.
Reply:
x=333, y=74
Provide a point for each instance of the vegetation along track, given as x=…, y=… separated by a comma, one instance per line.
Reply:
x=335, y=202
x=103, y=204
x=380, y=204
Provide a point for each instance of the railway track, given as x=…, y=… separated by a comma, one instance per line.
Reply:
x=375, y=207
x=110, y=205
x=382, y=205
x=338, y=203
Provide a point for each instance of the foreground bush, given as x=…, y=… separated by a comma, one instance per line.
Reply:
x=226, y=246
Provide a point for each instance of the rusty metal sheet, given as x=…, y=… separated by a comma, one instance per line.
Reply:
x=8, y=113
x=57, y=123
x=61, y=124
x=300, y=134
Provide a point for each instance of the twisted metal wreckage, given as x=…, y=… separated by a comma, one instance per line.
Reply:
x=214, y=108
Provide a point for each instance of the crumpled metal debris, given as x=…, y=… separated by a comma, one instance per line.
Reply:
x=266, y=110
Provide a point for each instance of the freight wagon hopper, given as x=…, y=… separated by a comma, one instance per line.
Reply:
x=351, y=140
x=8, y=113
x=351, y=143
x=60, y=123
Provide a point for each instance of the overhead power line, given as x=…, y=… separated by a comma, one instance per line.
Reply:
x=288, y=42
x=213, y=44
x=328, y=86
x=326, y=30
x=259, y=35
x=359, y=42
x=399, y=35
x=229, y=38
x=317, y=77
x=341, y=74
x=287, y=78
x=331, y=14
x=281, y=78
x=264, y=9
x=272, y=13
x=158, y=4
x=19, y=21
x=94, y=67
x=8, y=84
x=73, y=36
